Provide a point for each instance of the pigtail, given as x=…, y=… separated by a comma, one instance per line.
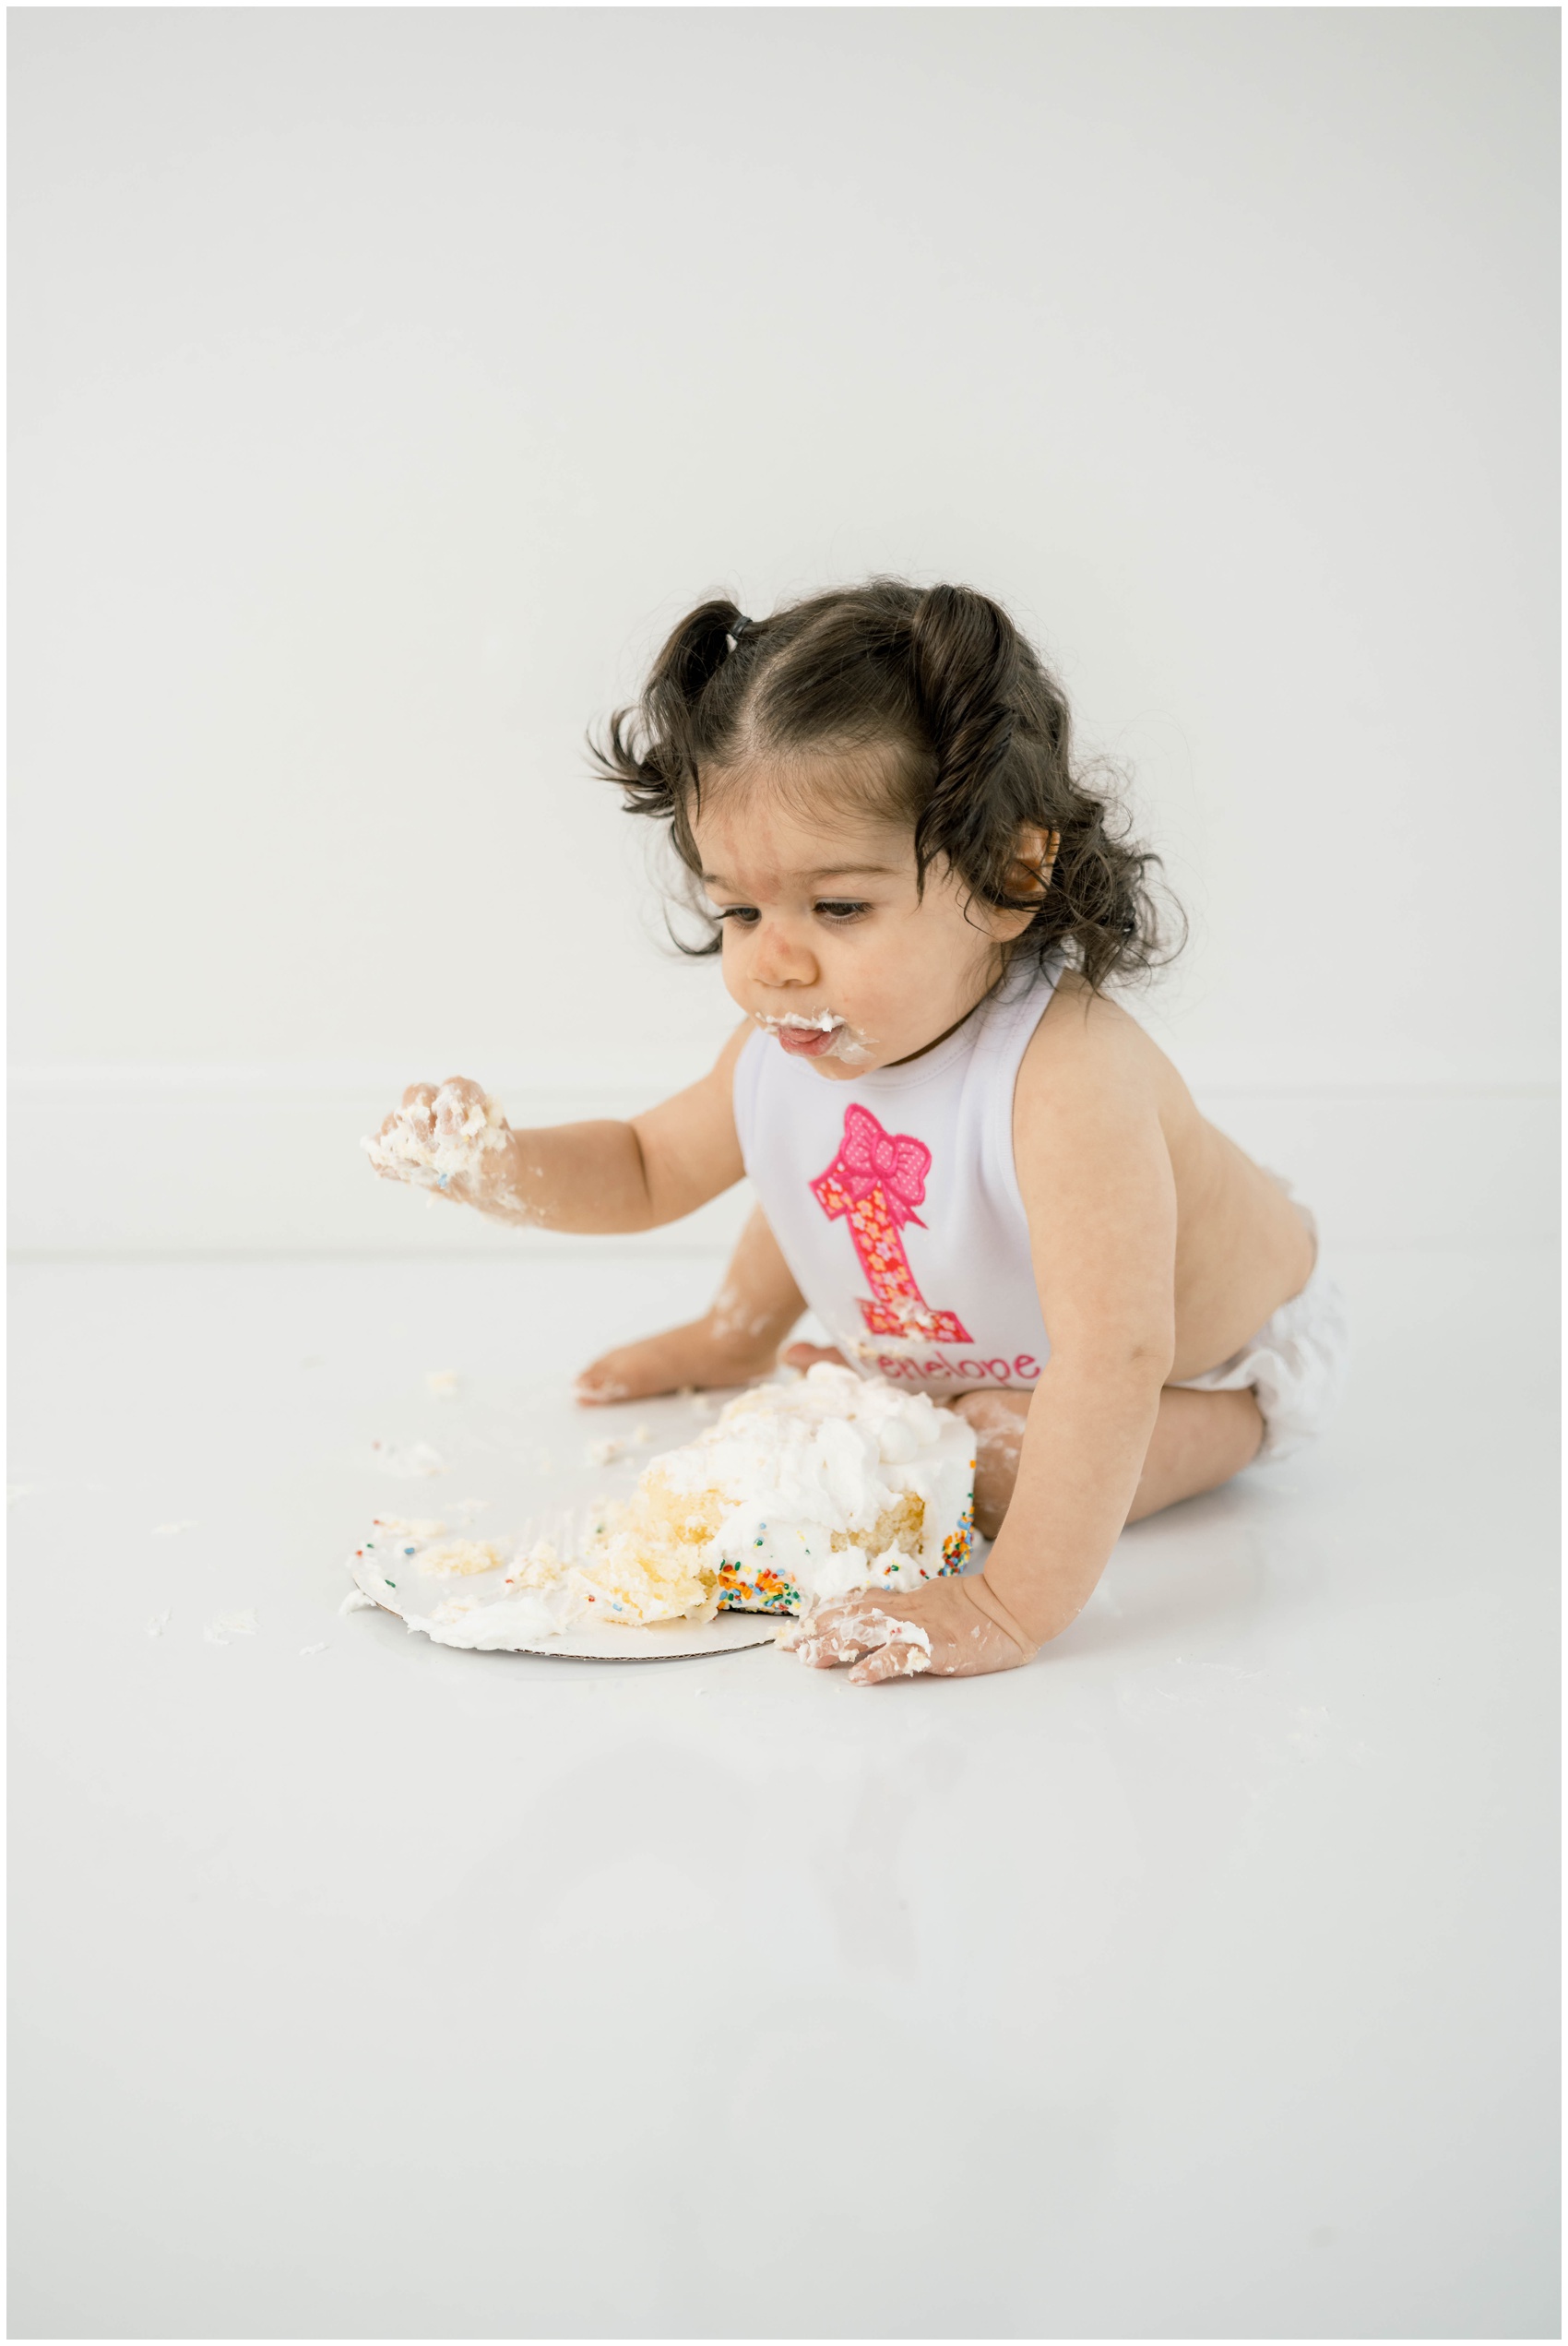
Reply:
x=695, y=653
x=963, y=662
x=1001, y=732
x=650, y=748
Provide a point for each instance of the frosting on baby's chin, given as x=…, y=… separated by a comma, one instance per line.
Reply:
x=432, y=1159
x=850, y=1044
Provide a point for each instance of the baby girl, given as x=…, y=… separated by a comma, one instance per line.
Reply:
x=974, y=1166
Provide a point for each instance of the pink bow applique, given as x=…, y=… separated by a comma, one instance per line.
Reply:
x=869, y=1158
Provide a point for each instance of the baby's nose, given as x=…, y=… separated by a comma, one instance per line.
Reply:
x=783, y=959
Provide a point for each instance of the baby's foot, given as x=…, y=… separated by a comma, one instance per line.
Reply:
x=696, y=1356
x=804, y=1356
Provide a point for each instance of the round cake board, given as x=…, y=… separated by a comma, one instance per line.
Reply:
x=655, y=1641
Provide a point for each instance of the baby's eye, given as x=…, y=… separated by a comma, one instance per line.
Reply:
x=839, y=909
x=746, y=913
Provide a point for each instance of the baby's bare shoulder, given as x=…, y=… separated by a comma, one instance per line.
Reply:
x=1085, y=1038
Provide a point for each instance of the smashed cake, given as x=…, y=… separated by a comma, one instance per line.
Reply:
x=796, y=1492
x=800, y=1491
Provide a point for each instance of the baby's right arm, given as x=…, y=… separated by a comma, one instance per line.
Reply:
x=601, y=1177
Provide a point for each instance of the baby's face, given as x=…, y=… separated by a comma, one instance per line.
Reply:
x=828, y=944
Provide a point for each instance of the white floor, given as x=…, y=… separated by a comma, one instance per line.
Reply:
x=1198, y=1982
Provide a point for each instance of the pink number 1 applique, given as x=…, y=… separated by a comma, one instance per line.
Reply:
x=878, y=1179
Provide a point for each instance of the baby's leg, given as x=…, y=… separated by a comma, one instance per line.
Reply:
x=738, y=1336
x=1199, y=1441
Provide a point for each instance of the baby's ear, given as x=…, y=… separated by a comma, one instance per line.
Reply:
x=1029, y=872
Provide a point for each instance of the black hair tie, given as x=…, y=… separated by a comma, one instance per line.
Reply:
x=738, y=628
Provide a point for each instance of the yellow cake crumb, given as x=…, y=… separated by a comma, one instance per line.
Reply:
x=462, y=1555
x=644, y=1559
x=898, y=1526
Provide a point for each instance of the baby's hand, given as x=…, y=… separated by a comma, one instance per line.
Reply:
x=954, y=1628
x=438, y=1137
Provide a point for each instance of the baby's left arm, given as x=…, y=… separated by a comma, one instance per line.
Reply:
x=1098, y=1187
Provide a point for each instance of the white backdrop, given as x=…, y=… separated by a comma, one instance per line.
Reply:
x=386, y=382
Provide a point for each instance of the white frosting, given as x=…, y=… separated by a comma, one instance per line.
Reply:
x=419, y=1153
x=866, y=1629
x=795, y=1465
x=537, y=1596
x=848, y=1044
x=218, y=1632
x=521, y=1589
x=407, y=1459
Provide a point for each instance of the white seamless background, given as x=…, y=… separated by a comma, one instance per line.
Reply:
x=387, y=381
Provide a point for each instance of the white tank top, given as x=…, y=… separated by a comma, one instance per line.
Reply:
x=895, y=1202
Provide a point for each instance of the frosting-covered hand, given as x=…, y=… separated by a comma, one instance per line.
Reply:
x=439, y=1137
x=952, y=1628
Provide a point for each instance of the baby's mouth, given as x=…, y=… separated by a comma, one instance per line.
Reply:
x=823, y=1035
x=808, y=1042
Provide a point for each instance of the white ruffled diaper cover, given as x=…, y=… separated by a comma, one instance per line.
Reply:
x=1295, y=1367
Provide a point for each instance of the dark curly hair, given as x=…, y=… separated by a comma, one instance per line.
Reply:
x=980, y=730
